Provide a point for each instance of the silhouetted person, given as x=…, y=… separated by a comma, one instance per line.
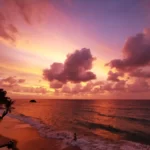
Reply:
x=75, y=137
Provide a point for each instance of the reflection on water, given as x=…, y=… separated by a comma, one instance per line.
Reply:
x=107, y=118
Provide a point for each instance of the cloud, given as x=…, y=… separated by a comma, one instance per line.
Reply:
x=98, y=87
x=7, y=31
x=10, y=82
x=66, y=89
x=30, y=90
x=136, y=53
x=11, y=11
x=28, y=10
x=24, y=9
x=140, y=73
x=75, y=89
x=88, y=87
x=114, y=76
x=14, y=84
x=76, y=68
x=56, y=84
x=79, y=88
x=108, y=86
x=136, y=58
x=112, y=86
x=54, y=73
x=120, y=86
x=31, y=10
x=139, y=85
x=21, y=80
x=41, y=90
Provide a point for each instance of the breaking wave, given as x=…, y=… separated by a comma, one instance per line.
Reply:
x=84, y=142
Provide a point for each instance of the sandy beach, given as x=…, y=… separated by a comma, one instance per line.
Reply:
x=26, y=137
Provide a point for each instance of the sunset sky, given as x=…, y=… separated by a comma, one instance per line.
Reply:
x=91, y=49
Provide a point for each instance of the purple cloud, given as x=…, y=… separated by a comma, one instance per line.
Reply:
x=31, y=90
x=7, y=31
x=56, y=84
x=66, y=89
x=114, y=76
x=76, y=68
x=10, y=82
x=139, y=86
x=55, y=72
x=136, y=53
x=140, y=73
x=24, y=9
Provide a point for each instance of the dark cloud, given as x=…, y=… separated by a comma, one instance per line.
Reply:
x=78, y=64
x=140, y=73
x=114, y=76
x=136, y=53
x=54, y=73
x=75, y=68
x=136, y=58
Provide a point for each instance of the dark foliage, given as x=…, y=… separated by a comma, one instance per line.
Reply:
x=6, y=101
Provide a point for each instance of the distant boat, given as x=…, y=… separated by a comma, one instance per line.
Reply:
x=32, y=101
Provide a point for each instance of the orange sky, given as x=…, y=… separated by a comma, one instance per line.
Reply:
x=31, y=41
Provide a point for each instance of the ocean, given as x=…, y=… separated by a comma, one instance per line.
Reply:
x=98, y=124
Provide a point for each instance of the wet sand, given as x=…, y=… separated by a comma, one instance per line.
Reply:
x=26, y=137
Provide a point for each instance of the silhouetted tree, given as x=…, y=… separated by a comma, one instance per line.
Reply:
x=6, y=101
x=2, y=96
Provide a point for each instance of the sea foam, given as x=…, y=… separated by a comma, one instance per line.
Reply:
x=84, y=142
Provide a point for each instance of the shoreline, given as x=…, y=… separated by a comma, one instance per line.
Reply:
x=26, y=137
